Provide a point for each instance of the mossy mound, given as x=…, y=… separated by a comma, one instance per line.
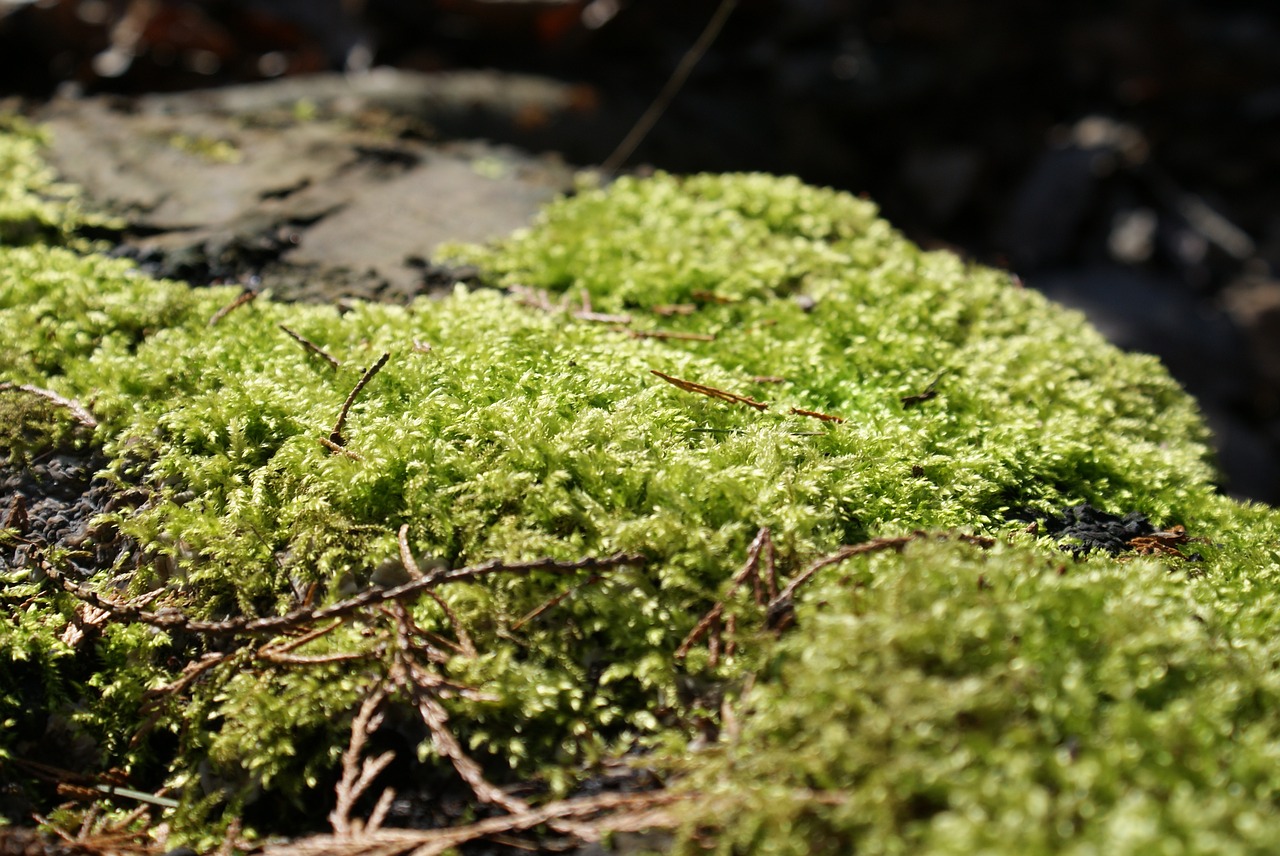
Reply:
x=825, y=380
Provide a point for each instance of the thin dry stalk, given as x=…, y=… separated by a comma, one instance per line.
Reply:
x=340, y=450
x=75, y=408
x=172, y=619
x=243, y=298
x=875, y=545
x=555, y=601
x=930, y=391
x=358, y=772
x=814, y=414
x=750, y=570
x=671, y=334
x=311, y=346
x=335, y=436
x=593, y=815
x=673, y=85
x=710, y=391
x=465, y=646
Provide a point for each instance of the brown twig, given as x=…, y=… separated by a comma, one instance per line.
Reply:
x=710, y=391
x=825, y=417
x=335, y=436
x=311, y=346
x=75, y=408
x=339, y=450
x=930, y=391
x=241, y=299
x=603, y=318
x=465, y=646
x=555, y=601
x=358, y=771
x=763, y=544
x=172, y=619
x=671, y=334
x=673, y=85
x=598, y=814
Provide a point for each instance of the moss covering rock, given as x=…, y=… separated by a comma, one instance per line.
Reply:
x=689, y=361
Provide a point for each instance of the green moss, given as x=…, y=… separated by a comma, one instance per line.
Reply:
x=935, y=702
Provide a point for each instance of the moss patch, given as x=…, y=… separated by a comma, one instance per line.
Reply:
x=924, y=691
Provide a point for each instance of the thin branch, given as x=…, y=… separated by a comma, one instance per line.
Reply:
x=749, y=570
x=172, y=619
x=555, y=601
x=710, y=391
x=465, y=646
x=825, y=417
x=311, y=346
x=673, y=85
x=243, y=298
x=633, y=812
x=358, y=771
x=930, y=391
x=340, y=450
x=671, y=334
x=603, y=318
x=335, y=436
x=75, y=408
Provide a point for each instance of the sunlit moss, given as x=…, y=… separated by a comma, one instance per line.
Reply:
x=496, y=430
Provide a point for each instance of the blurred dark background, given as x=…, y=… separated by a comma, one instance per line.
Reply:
x=1122, y=156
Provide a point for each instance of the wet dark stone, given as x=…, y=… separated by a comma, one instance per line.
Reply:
x=1083, y=528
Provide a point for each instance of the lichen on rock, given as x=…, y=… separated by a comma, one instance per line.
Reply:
x=660, y=369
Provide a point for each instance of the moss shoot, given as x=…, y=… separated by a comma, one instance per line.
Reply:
x=836, y=384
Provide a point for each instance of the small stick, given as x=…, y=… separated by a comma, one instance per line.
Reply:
x=929, y=392
x=710, y=391
x=334, y=447
x=825, y=417
x=670, y=334
x=310, y=346
x=335, y=436
x=241, y=300
x=555, y=601
x=673, y=85
x=75, y=408
x=173, y=619
x=411, y=566
x=750, y=570
x=768, y=379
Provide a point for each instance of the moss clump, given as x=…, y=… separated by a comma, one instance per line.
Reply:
x=500, y=431
x=952, y=702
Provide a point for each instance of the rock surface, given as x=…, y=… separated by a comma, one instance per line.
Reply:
x=317, y=189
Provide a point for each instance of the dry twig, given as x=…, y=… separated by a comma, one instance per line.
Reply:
x=710, y=391
x=172, y=619
x=671, y=334
x=673, y=85
x=595, y=815
x=825, y=417
x=465, y=646
x=243, y=298
x=75, y=408
x=335, y=436
x=761, y=546
x=311, y=346
x=358, y=771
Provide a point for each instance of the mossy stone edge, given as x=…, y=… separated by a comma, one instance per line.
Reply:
x=940, y=700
